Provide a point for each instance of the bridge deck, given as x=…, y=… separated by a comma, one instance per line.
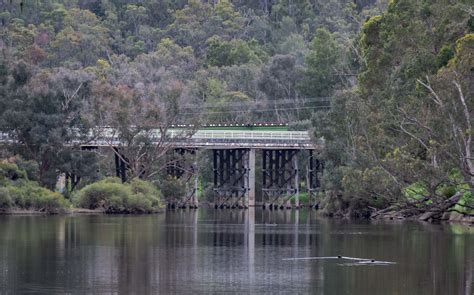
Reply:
x=250, y=139
x=211, y=139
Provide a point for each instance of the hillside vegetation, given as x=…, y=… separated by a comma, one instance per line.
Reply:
x=387, y=84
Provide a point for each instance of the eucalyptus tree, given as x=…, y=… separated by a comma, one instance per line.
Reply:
x=409, y=137
x=42, y=110
x=141, y=102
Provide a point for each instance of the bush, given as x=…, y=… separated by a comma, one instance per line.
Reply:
x=466, y=200
x=114, y=197
x=147, y=189
x=5, y=199
x=29, y=195
x=30, y=168
x=11, y=172
x=48, y=201
x=19, y=192
x=95, y=195
x=173, y=188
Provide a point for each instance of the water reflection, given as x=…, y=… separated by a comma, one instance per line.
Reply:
x=202, y=251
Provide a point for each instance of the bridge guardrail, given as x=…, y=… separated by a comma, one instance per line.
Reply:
x=208, y=138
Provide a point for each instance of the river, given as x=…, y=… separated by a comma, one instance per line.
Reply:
x=242, y=251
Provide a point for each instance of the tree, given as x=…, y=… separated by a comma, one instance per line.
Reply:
x=42, y=110
x=405, y=158
x=323, y=61
x=141, y=101
x=83, y=40
x=197, y=22
x=235, y=52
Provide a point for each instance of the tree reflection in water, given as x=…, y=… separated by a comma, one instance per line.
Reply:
x=206, y=251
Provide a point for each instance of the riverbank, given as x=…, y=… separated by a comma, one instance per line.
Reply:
x=446, y=217
x=452, y=217
x=21, y=195
x=71, y=211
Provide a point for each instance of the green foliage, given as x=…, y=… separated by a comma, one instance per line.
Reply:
x=322, y=65
x=30, y=168
x=46, y=118
x=235, y=52
x=416, y=192
x=444, y=55
x=19, y=192
x=390, y=141
x=173, y=188
x=114, y=197
x=11, y=172
x=72, y=65
x=5, y=199
x=465, y=204
x=28, y=195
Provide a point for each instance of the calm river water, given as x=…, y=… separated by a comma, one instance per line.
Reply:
x=251, y=251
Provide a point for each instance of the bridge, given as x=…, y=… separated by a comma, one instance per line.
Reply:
x=234, y=155
x=213, y=139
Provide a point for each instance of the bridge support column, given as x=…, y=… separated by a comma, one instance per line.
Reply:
x=231, y=178
x=251, y=179
x=180, y=168
x=280, y=178
x=120, y=166
x=297, y=182
x=313, y=178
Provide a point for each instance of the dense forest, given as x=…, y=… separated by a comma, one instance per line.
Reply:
x=387, y=84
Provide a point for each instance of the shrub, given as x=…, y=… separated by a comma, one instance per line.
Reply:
x=9, y=171
x=466, y=200
x=48, y=201
x=30, y=168
x=19, y=192
x=20, y=196
x=147, y=189
x=114, y=197
x=95, y=195
x=172, y=187
x=5, y=199
x=29, y=195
